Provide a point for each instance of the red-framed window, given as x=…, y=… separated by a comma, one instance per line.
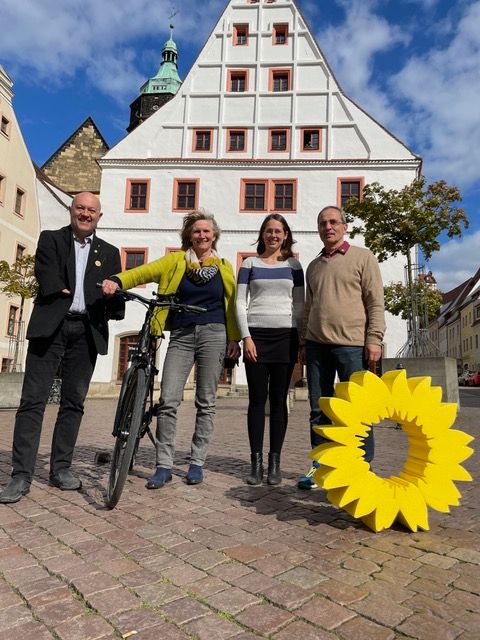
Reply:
x=262, y=196
x=237, y=80
x=311, y=139
x=132, y=257
x=236, y=140
x=349, y=188
x=241, y=255
x=20, y=197
x=12, y=320
x=280, y=80
x=185, y=194
x=5, y=126
x=279, y=140
x=254, y=195
x=202, y=140
x=284, y=195
x=3, y=181
x=280, y=34
x=127, y=347
x=137, y=196
x=240, y=35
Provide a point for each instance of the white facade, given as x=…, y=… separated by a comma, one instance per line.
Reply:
x=302, y=138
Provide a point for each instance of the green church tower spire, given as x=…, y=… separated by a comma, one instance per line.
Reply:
x=159, y=89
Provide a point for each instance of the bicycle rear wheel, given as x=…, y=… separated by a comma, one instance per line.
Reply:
x=130, y=419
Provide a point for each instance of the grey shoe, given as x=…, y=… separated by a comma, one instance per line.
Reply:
x=65, y=480
x=15, y=490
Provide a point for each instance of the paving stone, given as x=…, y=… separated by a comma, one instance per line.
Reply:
x=86, y=627
x=468, y=621
x=207, y=587
x=304, y=631
x=255, y=582
x=325, y=613
x=426, y=627
x=466, y=555
x=139, y=577
x=264, y=618
x=207, y=559
x=15, y=558
x=302, y=577
x=112, y=601
x=14, y=616
x=29, y=631
x=245, y=553
x=159, y=593
x=437, y=608
x=442, y=576
x=213, y=627
x=232, y=600
x=360, y=565
x=272, y=565
x=468, y=583
x=382, y=610
x=231, y=571
x=437, y=560
x=135, y=620
x=288, y=596
x=359, y=628
x=19, y=577
x=463, y=600
x=50, y=595
x=353, y=578
x=340, y=592
x=117, y=568
x=54, y=613
x=184, y=610
x=429, y=588
x=94, y=582
x=183, y=575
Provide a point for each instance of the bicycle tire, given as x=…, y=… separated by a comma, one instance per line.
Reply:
x=130, y=421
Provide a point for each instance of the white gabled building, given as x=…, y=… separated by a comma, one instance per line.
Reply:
x=260, y=124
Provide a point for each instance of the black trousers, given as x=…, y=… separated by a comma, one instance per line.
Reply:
x=71, y=346
x=267, y=381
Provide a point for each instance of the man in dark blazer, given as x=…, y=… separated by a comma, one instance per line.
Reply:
x=68, y=328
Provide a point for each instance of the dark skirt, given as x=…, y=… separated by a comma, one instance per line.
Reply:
x=275, y=345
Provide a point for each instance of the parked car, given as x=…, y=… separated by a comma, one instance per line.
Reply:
x=474, y=379
x=463, y=377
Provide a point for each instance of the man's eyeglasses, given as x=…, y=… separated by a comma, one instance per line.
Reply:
x=332, y=223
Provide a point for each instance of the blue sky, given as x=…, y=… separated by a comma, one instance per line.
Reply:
x=412, y=64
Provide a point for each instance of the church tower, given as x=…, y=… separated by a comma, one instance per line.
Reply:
x=158, y=90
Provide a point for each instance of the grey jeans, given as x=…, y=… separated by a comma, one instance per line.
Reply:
x=204, y=345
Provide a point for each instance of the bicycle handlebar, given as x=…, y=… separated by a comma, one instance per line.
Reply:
x=162, y=301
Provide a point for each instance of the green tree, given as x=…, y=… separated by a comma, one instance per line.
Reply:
x=19, y=280
x=398, y=221
x=397, y=299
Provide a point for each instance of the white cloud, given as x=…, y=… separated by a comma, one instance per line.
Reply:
x=456, y=261
x=351, y=49
x=52, y=40
x=441, y=90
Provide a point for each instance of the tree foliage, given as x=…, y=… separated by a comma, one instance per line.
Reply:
x=394, y=221
x=18, y=279
x=398, y=299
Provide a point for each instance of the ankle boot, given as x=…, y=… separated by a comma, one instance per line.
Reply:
x=256, y=473
x=274, y=473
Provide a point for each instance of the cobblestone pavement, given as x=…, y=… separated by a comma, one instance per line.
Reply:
x=223, y=560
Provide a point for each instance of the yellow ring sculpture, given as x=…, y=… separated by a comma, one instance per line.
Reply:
x=434, y=454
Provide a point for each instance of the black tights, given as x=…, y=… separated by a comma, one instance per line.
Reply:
x=267, y=381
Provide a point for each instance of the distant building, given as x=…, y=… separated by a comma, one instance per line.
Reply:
x=19, y=223
x=456, y=330
x=259, y=125
x=73, y=166
x=157, y=91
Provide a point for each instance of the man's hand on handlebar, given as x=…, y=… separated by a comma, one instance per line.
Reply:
x=109, y=287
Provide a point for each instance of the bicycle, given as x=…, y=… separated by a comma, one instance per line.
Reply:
x=135, y=407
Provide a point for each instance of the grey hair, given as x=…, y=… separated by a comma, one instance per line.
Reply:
x=190, y=219
x=333, y=206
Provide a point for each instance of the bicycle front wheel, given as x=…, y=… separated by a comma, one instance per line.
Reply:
x=130, y=419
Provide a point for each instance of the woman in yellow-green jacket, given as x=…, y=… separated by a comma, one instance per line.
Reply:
x=198, y=276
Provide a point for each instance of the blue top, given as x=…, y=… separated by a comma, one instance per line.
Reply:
x=208, y=295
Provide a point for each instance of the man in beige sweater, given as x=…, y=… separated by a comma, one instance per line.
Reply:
x=344, y=319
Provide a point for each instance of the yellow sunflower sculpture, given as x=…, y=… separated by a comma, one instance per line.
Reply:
x=435, y=451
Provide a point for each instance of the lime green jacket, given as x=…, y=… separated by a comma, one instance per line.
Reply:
x=168, y=272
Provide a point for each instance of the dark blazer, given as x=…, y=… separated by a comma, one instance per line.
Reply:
x=55, y=270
